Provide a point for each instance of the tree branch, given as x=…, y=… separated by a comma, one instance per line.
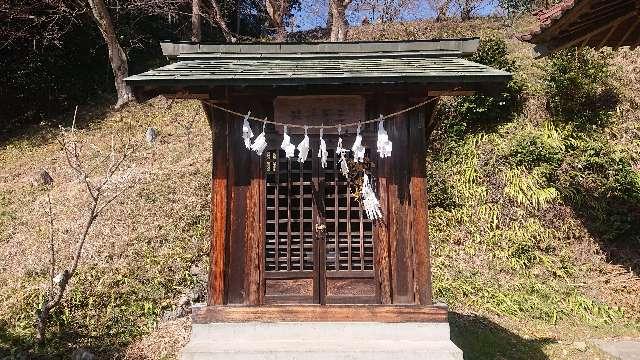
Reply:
x=97, y=193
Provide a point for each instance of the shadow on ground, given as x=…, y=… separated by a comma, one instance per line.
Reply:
x=65, y=344
x=39, y=132
x=611, y=215
x=615, y=224
x=480, y=338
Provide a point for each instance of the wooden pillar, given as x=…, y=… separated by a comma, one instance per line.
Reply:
x=382, y=250
x=239, y=185
x=246, y=210
x=399, y=205
x=219, y=206
x=419, y=207
x=254, y=213
x=403, y=251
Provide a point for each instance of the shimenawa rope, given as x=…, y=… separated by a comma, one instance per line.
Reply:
x=382, y=117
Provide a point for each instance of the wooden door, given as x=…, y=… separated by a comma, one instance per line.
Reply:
x=348, y=241
x=291, y=251
x=318, y=243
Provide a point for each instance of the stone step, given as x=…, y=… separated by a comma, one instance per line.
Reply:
x=315, y=341
x=295, y=350
x=312, y=331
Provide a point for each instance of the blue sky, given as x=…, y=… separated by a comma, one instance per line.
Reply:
x=313, y=13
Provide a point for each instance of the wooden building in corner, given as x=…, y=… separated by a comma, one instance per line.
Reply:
x=586, y=23
x=290, y=243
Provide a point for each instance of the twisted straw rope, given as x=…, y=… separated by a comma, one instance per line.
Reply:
x=381, y=117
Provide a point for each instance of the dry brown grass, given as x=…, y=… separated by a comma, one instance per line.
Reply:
x=168, y=159
x=163, y=343
x=161, y=219
x=627, y=132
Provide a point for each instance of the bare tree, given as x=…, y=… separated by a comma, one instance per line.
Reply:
x=468, y=7
x=196, y=21
x=117, y=57
x=277, y=11
x=384, y=10
x=101, y=195
x=215, y=16
x=440, y=7
x=337, y=15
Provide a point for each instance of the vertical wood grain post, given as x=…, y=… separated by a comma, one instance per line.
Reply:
x=382, y=247
x=399, y=204
x=219, y=206
x=419, y=206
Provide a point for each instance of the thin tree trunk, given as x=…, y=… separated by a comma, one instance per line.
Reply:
x=276, y=10
x=339, y=25
x=466, y=10
x=196, y=21
x=219, y=20
x=281, y=34
x=238, y=15
x=53, y=300
x=282, y=31
x=117, y=57
x=443, y=10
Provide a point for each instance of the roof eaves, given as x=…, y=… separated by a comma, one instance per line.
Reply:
x=547, y=18
x=499, y=77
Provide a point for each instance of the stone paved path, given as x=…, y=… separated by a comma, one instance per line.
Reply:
x=623, y=350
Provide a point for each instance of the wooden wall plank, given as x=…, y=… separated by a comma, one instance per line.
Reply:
x=251, y=213
x=253, y=238
x=324, y=313
x=419, y=208
x=381, y=246
x=239, y=180
x=399, y=205
x=261, y=231
x=219, y=207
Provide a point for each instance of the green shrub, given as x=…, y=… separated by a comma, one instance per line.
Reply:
x=441, y=191
x=532, y=148
x=579, y=87
x=600, y=167
x=602, y=185
x=478, y=111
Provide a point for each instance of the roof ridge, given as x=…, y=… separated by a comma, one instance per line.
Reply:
x=466, y=46
x=321, y=55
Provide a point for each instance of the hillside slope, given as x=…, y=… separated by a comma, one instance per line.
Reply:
x=519, y=262
x=146, y=258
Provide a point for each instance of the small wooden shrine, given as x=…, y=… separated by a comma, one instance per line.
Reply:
x=290, y=241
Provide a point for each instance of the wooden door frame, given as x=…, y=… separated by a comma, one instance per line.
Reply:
x=320, y=272
x=294, y=299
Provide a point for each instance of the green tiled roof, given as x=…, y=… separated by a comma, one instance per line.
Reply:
x=202, y=69
x=369, y=62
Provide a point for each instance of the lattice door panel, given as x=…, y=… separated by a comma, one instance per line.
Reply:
x=349, y=240
x=289, y=215
x=305, y=263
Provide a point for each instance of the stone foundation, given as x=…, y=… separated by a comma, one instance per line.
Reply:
x=321, y=340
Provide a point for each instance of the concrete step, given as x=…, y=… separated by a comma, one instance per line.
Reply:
x=315, y=341
x=293, y=350
x=312, y=331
